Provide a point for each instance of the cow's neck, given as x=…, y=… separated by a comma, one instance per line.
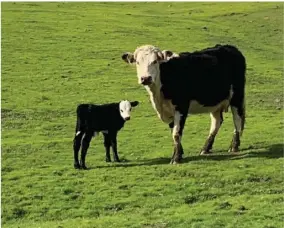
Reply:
x=162, y=106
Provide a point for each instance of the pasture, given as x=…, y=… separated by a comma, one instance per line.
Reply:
x=57, y=55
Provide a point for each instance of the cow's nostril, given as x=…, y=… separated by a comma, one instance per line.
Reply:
x=147, y=80
x=127, y=118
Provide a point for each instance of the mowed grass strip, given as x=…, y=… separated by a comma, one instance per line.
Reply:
x=57, y=55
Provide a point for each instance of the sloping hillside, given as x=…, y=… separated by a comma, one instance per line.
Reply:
x=57, y=55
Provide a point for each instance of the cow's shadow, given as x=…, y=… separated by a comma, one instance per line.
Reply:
x=272, y=152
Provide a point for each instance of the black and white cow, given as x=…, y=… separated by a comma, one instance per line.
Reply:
x=206, y=81
x=106, y=118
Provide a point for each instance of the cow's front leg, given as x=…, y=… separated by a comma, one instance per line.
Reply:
x=179, y=122
x=171, y=126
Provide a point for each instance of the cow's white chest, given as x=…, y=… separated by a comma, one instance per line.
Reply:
x=197, y=108
x=167, y=111
x=163, y=107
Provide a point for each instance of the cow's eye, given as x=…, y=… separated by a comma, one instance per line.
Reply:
x=121, y=110
x=137, y=63
x=154, y=62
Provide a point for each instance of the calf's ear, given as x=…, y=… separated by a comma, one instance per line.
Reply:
x=134, y=103
x=128, y=57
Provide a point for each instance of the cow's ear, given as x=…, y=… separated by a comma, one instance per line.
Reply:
x=134, y=103
x=167, y=54
x=160, y=56
x=128, y=57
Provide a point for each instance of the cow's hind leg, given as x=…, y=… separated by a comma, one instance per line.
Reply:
x=76, y=147
x=216, y=122
x=239, y=123
x=85, y=145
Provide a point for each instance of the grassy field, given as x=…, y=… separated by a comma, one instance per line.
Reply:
x=57, y=55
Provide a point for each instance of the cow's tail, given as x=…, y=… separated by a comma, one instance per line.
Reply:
x=237, y=102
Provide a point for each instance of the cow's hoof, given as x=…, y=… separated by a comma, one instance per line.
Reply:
x=108, y=160
x=204, y=152
x=174, y=162
x=233, y=150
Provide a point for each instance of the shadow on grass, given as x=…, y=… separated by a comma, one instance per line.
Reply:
x=272, y=152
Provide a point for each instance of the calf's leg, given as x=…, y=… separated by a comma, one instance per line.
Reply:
x=216, y=122
x=114, y=146
x=76, y=147
x=85, y=145
x=107, y=144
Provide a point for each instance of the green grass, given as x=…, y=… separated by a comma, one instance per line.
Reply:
x=57, y=55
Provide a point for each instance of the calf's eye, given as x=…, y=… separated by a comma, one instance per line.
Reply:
x=121, y=110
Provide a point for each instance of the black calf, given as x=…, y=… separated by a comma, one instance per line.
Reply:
x=91, y=119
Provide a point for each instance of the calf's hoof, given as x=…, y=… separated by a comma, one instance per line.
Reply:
x=116, y=160
x=84, y=167
x=77, y=166
x=108, y=160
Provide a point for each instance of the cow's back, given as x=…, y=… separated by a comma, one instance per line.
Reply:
x=195, y=76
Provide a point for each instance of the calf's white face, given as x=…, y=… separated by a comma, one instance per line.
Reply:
x=147, y=59
x=125, y=108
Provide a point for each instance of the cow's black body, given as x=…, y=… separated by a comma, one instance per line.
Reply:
x=205, y=76
x=208, y=77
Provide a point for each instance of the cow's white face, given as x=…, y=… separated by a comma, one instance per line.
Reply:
x=147, y=59
x=125, y=108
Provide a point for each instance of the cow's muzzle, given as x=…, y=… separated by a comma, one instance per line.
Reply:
x=146, y=80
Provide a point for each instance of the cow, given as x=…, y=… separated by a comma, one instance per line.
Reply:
x=92, y=119
x=206, y=81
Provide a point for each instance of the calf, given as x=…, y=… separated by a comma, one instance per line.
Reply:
x=106, y=118
x=205, y=81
